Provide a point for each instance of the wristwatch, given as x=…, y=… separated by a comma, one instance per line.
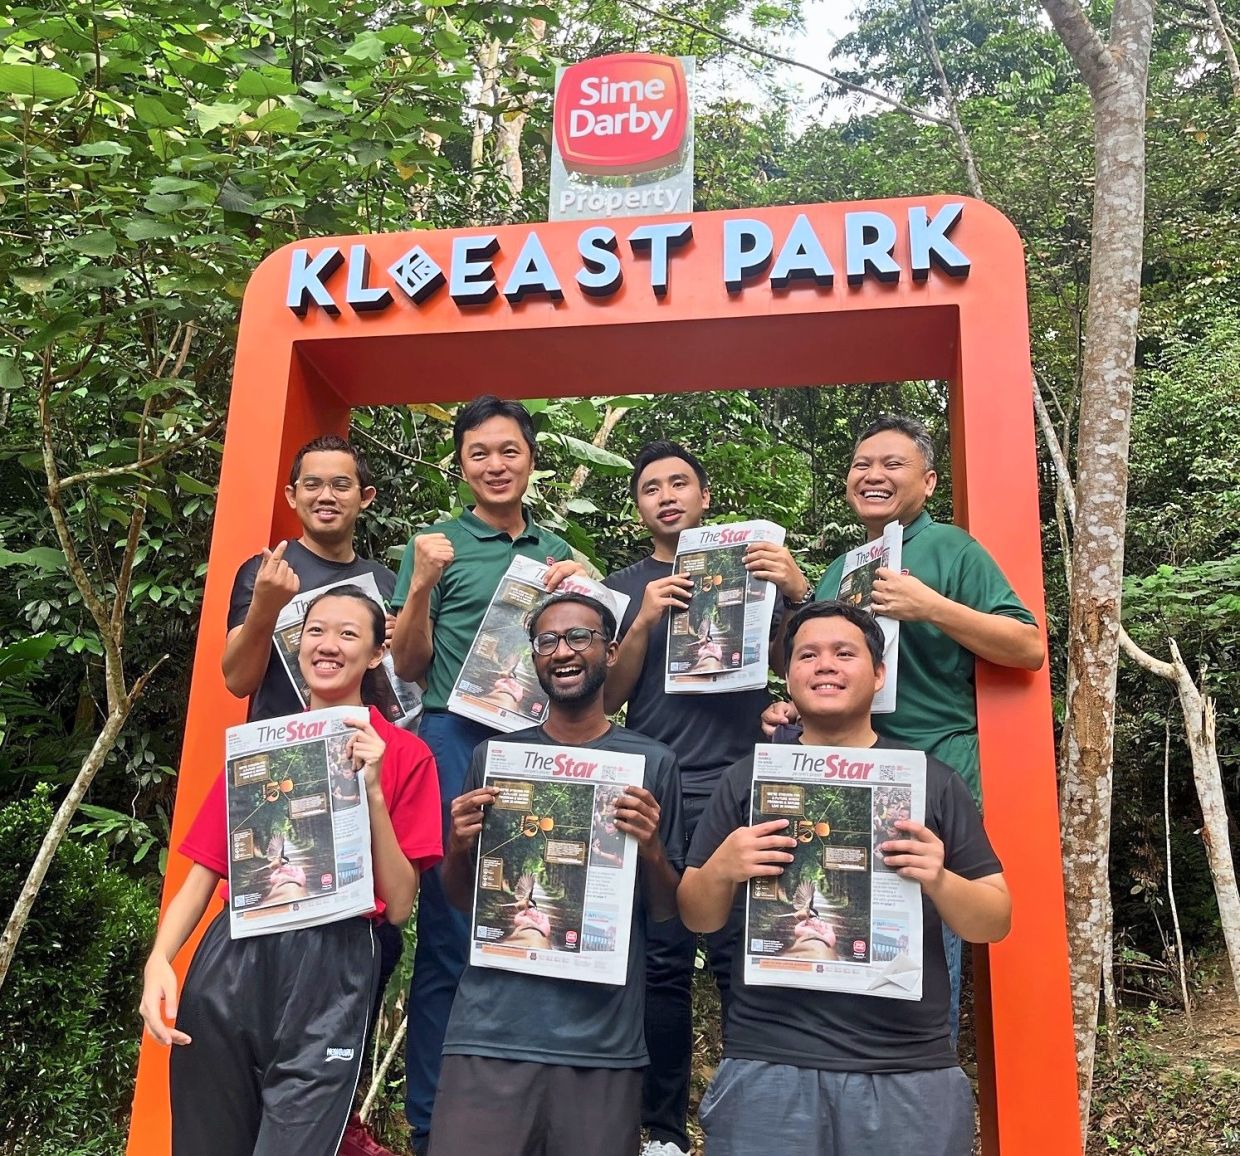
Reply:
x=790, y=604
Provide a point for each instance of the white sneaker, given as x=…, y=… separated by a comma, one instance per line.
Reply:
x=662, y=1148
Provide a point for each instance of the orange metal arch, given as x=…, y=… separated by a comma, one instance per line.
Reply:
x=297, y=377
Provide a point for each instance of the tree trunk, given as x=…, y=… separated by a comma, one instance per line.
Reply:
x=1116, y=74
x=1229, y=51
x=56, y=832
x=1198, y=711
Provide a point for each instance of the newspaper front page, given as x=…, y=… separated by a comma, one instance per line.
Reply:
x=398, y=701
x=497, y=685
x=856, y=586
x=837, y=919
x=722, y=641
x=554, y=889
x=298, y=824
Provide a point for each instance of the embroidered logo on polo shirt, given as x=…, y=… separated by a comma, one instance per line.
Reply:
x=338, y=1054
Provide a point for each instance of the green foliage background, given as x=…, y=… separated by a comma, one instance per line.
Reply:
x=150, y=157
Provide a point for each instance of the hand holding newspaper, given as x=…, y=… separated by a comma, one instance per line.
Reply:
x=837, y=919
x=857, y=586
x=298, y=824
x=722, y=641
x=497, y=685
x=398, y=701
x=553, y=893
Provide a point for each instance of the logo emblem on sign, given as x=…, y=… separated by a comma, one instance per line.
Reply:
x=624, y=113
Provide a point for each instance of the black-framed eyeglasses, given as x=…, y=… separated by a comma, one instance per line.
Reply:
x=339, y=485
x=578, y=639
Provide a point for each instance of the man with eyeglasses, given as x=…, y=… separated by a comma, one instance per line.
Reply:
x=540, y=1066
x=329, y=486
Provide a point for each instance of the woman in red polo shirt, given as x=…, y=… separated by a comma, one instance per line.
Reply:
x=271, y=1029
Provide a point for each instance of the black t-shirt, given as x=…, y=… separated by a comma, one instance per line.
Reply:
x=275, y=695
x=506, y=1015
x=841, y=1031
x=707, y=731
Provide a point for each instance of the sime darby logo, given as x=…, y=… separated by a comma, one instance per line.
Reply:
x=626, y=113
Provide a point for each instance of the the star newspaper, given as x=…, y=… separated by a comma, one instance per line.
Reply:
x=554, y=889
x=837, y=919
x=398, y=701
x=298, y=824
x=497, y=685
x=856, y=587
x=721, y=642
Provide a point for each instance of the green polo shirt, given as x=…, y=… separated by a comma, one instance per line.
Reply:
x=464, y=591
x=936, y=708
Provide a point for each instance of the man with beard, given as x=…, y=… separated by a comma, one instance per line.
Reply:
x=539, y=1066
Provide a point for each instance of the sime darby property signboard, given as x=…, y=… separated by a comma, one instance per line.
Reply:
x=622, y=144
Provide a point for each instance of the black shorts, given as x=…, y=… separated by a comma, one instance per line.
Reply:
x=278, y=1029
x=486, y=1107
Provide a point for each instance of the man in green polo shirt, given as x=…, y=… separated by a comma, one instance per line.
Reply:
x=953, y=603
x=448, y=575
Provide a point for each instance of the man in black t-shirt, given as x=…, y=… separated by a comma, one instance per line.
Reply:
x=708, y=732
x=329, y=486
x=540, y=1066
x=832, y=1073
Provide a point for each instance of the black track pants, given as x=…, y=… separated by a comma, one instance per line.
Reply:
x=278, y=1024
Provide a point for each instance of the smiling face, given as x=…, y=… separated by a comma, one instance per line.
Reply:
x=496, y=464
x=337, y=647
x=888, y=480
x=569, y=676
x=327, y=497
x=831, y=676
x=670, y=499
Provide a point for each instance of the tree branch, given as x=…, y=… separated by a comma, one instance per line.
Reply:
x=1229, y=51
x=125, y=578
x=1082, y=41
x=145, y=463
x=374, y=441
x=949, y=99
x=831, y=77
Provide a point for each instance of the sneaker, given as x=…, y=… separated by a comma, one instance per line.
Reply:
x=358, y=1141
x=662, y=1148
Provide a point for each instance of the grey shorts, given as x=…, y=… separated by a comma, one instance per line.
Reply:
x=487, y=1107
x=753, y=1107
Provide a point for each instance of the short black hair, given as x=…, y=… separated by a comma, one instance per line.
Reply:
x=332, y=444
x=378, y=619
x=910, y=427
x=656, y=451
x=863, y=620
x=483, y=409
x=605, y=616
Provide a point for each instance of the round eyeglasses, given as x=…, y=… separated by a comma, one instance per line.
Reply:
x=578, y=639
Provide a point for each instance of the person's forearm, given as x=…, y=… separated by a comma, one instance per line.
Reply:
x=622, y=677
x=978, y=910
x=184, y=912
x=994, y=637
x=412, y=648
x=660, y=881
x=457, y=877
x=247, y=653
x=396, y=879
x=778, y=659
x=704, y=898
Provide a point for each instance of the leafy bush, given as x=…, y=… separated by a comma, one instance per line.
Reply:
x=68, y=1007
